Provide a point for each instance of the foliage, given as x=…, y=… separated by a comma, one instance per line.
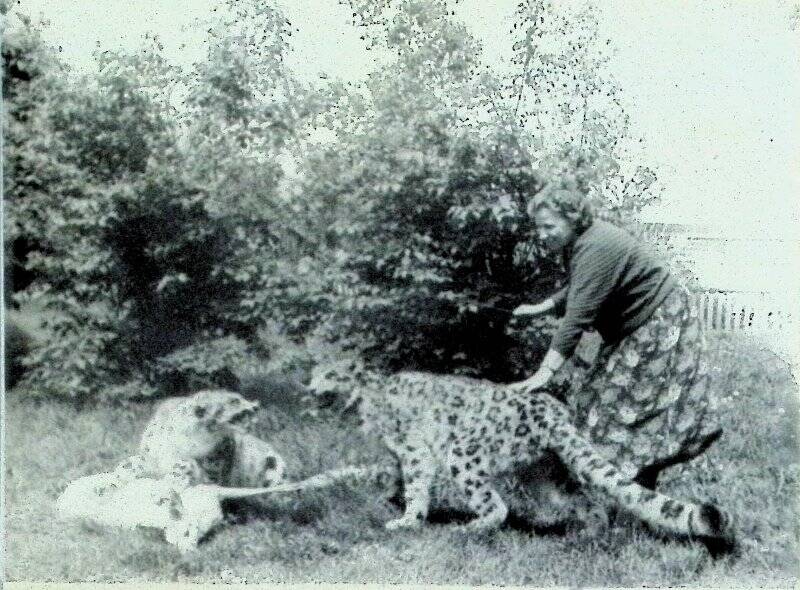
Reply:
x=564, y=97
x=133, y=258
x=245, y=110
x=435, y=242
x=203, y=364
x=434, y=162
x=17, y=345
x=30, y=78
x=239, y=110
x=173, y=228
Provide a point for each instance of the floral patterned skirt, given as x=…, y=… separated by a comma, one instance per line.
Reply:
x=647, y=397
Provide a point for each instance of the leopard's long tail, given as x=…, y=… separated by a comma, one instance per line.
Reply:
x=321, y=480
x=703, y=522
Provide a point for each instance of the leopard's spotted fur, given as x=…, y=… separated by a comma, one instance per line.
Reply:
x=201, y=439
x=474, y=430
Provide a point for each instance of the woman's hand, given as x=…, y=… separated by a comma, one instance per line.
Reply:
x=536, y=381
x=550, y=364
x=534, y=309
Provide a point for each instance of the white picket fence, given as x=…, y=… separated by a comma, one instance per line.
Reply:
x=743, y=311
x=743, y=283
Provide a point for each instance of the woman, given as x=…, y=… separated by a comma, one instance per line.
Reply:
x=645, y=399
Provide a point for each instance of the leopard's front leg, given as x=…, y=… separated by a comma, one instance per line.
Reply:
x=418, y=468
x=193, y=513
x=465, y=463
x=185, y=529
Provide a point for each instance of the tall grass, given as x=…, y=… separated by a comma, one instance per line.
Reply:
x=336, y=535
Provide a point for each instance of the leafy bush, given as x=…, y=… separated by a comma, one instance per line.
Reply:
x=172, y=239
x=421, y=198
x=18, y=344
x=436, y=266
x=130, y=262
x=425, y=222
x=140, y=272
x=149, y=281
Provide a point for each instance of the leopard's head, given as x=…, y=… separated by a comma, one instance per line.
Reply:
x=218, y=408
x=340, y=378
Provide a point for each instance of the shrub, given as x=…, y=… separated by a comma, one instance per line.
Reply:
x=420, y=202
x=18, y=344
x=435, y=256
x=169, y=241
x=136, y=266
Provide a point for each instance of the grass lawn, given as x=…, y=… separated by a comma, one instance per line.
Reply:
x=336, y=535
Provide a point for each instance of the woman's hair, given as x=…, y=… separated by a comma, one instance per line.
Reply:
x=570, y=204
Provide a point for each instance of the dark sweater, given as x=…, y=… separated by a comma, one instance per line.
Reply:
x=615, y=285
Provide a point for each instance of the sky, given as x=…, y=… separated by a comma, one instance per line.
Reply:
x=712, y=86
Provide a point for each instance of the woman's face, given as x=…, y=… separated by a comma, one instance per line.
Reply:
x=553, y=230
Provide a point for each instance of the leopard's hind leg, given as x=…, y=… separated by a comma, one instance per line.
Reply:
x=418, y=468
x=464, y=463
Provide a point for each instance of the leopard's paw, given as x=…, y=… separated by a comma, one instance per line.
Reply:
x=183, y=536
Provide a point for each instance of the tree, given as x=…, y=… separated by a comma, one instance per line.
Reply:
x=421, y=195
x=420, y=200
x=134, y=260
x=78, y=146
x=174, y=235
x=570, y=106
x=31, y=76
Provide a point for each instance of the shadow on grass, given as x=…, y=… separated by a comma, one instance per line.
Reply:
x=515, y=521
x=314, y=510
